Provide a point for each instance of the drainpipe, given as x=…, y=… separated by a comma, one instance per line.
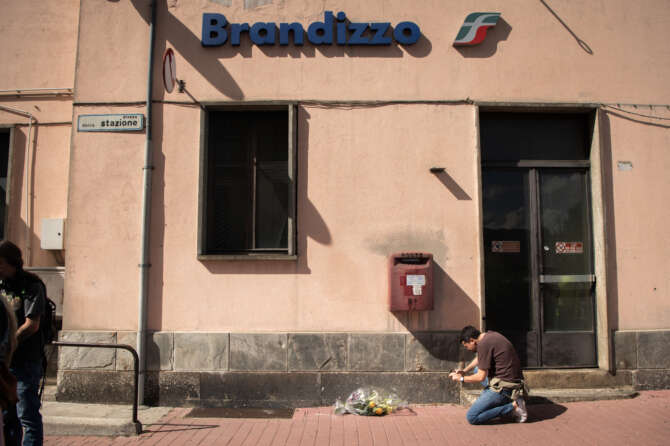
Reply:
x=146, y=219
x=26, y=175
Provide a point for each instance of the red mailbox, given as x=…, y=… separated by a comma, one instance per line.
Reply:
x=411, y=281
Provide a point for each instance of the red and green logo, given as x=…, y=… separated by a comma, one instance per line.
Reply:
x=474, y=29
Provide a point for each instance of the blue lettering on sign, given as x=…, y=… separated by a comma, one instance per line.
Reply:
x=320, y=33
x=298, y=33
x=263, y=33
x=216, y=31
x=213, y=29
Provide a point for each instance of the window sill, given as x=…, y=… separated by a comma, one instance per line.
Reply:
x=284, y=257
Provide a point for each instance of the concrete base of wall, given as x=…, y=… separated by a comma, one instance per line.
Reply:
x=274, y=370
x=245, y=389
x=645, y=354
x=262, y=369
x=577, y=379
x=652, y=379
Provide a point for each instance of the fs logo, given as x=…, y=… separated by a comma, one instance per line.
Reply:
x=474, y=29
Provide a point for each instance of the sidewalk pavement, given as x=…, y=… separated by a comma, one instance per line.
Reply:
x=102, y=419
x=644, y=420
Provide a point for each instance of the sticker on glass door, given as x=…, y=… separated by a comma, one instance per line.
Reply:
x=569, y=248
x=505, y=246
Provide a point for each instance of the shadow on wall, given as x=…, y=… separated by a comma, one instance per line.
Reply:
x=17, y=227
x=15, y=230
x=188, y=45
x=489, y=46
x=453, y=307
x=157, y=234
x=451, y=304
x=453, y=187
x=610, y=228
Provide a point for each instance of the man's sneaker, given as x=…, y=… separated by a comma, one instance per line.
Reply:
x=520, y=411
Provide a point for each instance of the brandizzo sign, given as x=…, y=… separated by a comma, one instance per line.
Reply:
x=216, y=31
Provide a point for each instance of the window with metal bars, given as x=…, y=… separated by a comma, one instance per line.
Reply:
x=247, y=201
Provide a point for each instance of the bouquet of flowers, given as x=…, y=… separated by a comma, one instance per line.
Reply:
x=370, y=401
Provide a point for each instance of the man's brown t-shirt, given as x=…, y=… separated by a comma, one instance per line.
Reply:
x=497, y=355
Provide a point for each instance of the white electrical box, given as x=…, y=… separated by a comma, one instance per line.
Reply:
x=52, y=233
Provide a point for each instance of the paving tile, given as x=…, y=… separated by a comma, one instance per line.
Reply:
x=642, y=420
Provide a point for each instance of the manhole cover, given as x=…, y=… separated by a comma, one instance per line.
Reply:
x=220, y=412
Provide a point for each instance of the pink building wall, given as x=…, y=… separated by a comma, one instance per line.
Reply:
x=355, y=202
x=640, y=216
x=39, y=41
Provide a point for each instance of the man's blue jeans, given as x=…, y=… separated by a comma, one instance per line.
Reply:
x=489, y=405
x=28, y=376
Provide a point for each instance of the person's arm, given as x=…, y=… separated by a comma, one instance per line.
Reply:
x=474, y=378
x=458, y=373
x=470, y=366
x=33, y=307
x=4, y=332
x=27, y=329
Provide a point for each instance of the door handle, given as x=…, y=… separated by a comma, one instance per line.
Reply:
x=567, y=278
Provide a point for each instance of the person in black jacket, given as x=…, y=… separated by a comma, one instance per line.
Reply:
x=7, y=380
x=26, y=294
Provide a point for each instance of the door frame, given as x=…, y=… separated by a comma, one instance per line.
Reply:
x=599, y=171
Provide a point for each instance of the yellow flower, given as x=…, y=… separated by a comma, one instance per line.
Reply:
x=379, y=411
x=372, y=404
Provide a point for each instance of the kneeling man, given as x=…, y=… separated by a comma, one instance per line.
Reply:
x=498, y=362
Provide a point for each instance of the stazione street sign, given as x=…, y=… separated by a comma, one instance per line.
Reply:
x=110, y=123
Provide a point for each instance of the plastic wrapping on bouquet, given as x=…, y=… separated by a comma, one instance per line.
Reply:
x=411, y=281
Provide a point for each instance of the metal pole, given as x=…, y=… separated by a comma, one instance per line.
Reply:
x=146, y=218
x=136, y=421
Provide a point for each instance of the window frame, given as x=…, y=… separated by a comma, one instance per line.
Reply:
x=291, y=108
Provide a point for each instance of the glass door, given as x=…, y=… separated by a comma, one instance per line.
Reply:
x=538, y=261
x=539, y=264
x=508, y=260
x=566, y=279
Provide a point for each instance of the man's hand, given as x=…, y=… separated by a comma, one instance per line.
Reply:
x=456, y=375
x=29, y=327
